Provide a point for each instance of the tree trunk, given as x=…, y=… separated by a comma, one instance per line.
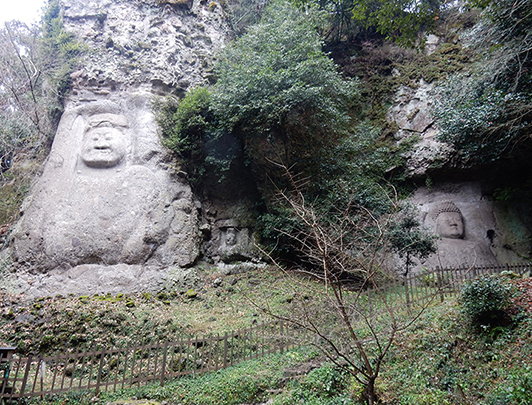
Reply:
x=370, y=391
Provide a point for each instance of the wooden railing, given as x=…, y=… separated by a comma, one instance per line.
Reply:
x=117, y=368
x=418, y=290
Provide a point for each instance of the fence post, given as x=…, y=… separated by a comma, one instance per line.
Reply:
x=6, y=354
x=25, y=379
x=100, y=367
x=225, y=349
x=282, y=336
x=407, y=294
x=439, y=273
x=163, y=368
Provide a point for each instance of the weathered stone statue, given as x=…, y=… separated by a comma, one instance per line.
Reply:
x=230, y=237
x=449, y=221
x=454, y=249
x=104, y=142
x=108, y=213
x=105, y=200
x=233, y=242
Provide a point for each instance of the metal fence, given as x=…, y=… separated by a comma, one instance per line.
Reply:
x=117, y=368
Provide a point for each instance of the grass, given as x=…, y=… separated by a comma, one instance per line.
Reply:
x=444, y=360
x=225, y=302
x=441, y=359
x=247, y=382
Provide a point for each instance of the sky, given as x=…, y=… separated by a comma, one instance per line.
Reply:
x=27, y=11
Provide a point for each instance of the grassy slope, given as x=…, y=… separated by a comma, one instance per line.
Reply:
x=440, y=360
x=444, y=361
x=223, y=303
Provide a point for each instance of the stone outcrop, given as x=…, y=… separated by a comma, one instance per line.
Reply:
x=411, y=114
x=162, y=46
x=105, y=199
x=108, y=213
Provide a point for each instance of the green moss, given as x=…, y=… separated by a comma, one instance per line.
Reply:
x=383, y=69
x=191, y=294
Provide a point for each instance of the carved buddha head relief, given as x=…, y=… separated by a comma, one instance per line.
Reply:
x=449, y=220
x=230, y=237
x=105, y=144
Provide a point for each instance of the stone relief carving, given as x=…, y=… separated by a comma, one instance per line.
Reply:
x=230, y=237
x=104, y=142
x=454, y=250
x=462, y=219
x=449, y=221
x=105, y=198
x=232, y=242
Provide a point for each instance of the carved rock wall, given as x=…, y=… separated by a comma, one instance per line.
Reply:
x=108, y=214
x=105, y=199
x=467, y=224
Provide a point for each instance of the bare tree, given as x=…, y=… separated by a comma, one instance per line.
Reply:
x=35, y=66
x=23, y=108
x=351, y=317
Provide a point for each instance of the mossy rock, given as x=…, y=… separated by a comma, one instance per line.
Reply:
x=179, y=3
x=191, y=294
x=130, y=304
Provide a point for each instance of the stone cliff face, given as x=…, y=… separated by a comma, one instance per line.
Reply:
x=411, y=114
x=159, y=46
x=493, y=232
x=107, y=214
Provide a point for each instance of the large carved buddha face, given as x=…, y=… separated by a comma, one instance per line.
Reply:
x=103, y=147
x=450, y=225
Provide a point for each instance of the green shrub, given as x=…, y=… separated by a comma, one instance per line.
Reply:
x=326, y=385
x=517, y=391
x=469, y=110
x=197, y=139
x=486, y=299
x=186, y=130
x=486, y=113
x=326, y=381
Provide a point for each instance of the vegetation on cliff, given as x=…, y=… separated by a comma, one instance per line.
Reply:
x=35, y=67
x=486, y=113
x=282, y=102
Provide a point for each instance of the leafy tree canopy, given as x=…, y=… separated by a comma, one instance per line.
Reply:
x=277, y=92
x=401, y=20
x=276, y=79
x=281, y=96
